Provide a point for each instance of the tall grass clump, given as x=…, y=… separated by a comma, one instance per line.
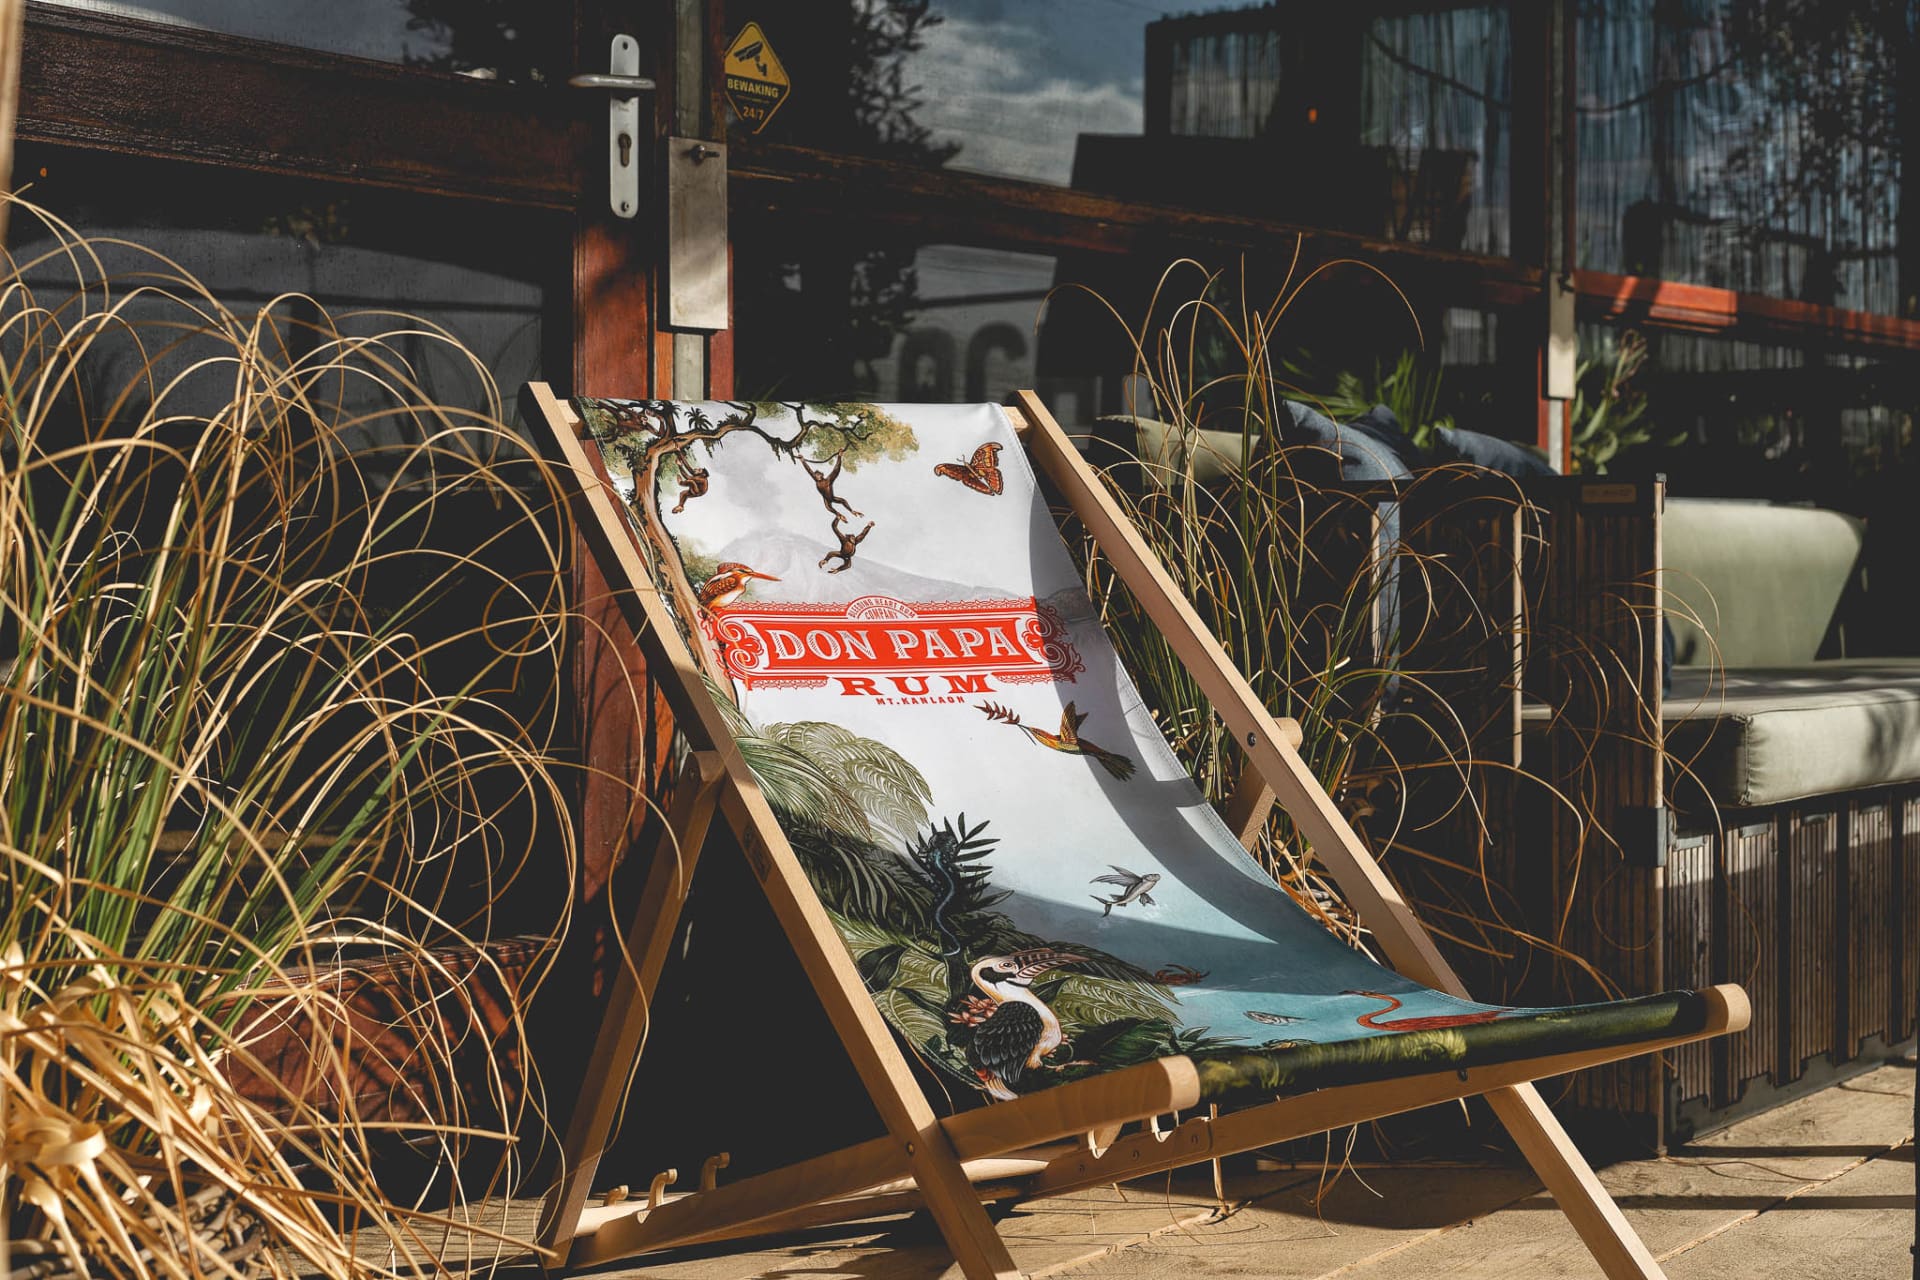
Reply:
x=279, y=644
x=1372, y=616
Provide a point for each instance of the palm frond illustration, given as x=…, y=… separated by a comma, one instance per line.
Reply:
x=913, y=898
x=820, y=774
x=890, y=792
x=1122, y=1042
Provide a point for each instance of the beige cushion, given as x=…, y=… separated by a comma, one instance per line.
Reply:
x=1771, y=735
x=1762, y=580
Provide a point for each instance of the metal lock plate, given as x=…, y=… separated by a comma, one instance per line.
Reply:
x=697, y=283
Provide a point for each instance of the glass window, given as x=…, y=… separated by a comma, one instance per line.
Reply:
x=1739, y=419
x=874, y=318
x=519, y=40
x=1744, y=144
x=1393, y=126
x=854, y=310
x=355, y=252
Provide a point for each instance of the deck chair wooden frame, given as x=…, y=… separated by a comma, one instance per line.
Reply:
x=952, y=1167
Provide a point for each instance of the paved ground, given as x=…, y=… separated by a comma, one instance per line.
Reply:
x=1821, y=1188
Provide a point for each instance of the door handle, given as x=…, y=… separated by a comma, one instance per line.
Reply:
x=624, y=81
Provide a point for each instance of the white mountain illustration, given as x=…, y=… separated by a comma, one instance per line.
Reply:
x=795, y=560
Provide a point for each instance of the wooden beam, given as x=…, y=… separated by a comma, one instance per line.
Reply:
x=12, y=16
x=1695, y=308
x=1247, y=809
x=111, y=83
x=1156, y=1088
x=995, y=1179
x=701, y=1214
x=629, y=1003
x=788, y=181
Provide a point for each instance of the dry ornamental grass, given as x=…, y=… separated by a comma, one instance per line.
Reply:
x=279, y=647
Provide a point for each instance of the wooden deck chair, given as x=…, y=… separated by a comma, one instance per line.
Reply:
x=982, y=851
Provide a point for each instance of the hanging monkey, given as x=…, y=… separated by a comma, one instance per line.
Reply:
x=823, y=481
x=693, y=484
x=848, y=541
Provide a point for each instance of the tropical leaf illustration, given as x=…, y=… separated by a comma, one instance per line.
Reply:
x=1126, y=1041
x=914, y=900
x=800, y=790
x=737, y=723
x=878, y=966
x=908, y=983
x=863, y=880
x=921, y=1025
x=1086, y=999
x=888, y=790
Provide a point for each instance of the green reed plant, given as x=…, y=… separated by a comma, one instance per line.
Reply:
x=1363, y=615
x=279, y=641
x=1410, y=385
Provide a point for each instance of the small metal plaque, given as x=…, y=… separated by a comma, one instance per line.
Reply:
x=696, y=234
x=1563, y=350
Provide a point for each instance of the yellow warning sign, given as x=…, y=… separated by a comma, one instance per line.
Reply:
x=756, y=82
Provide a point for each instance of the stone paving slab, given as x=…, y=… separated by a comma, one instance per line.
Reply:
x=1858, y=1225
x=1822, y=1187
x=1300, y=1232
x=1719, y=1185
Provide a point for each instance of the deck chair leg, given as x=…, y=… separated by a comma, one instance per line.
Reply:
x=1615, y=1245
x=956, y=1209
x=623, y=1029
x=931, y=1159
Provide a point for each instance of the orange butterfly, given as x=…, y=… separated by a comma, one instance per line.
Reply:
x=981, y=474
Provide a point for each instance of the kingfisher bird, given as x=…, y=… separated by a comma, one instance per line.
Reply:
x=728, y=583
x=1019, y=1030
x=1068, y=740
x=1438, y=1022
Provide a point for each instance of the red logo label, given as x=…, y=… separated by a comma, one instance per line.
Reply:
x=881, y=646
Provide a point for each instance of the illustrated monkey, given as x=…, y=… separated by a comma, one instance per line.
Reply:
x=823, y=481
x=693, y=484
x=848, y=541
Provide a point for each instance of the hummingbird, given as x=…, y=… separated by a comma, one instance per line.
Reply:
x=1067, y=740
x=728, y=583
x=1133, y=888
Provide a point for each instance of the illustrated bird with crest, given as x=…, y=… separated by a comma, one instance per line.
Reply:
x=1013, y=1030
x=1068, y=740
x=728, y=583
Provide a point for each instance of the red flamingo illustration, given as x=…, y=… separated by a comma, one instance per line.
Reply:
x=1436, y=1023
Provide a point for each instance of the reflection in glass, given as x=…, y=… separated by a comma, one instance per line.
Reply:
x=1733, y=418
x=518, y=40
x=308, y=248
x=938, y=323
x=848, y=310
x=1392, y=124
x=1746, y=145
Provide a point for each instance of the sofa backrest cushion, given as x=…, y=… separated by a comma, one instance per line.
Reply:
x=1762, y=580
